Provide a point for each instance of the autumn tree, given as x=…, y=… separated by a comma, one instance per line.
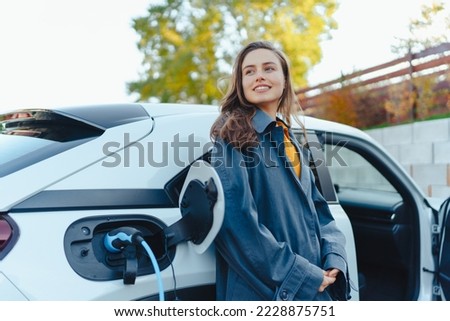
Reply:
x=189, y=46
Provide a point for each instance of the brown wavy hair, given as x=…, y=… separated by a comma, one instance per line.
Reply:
x=234, y=124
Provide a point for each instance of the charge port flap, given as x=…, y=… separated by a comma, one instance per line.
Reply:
x=202, y=208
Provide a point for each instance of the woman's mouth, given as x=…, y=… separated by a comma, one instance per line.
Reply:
x=261, y=88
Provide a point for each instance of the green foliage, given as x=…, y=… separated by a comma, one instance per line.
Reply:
x=189, y=46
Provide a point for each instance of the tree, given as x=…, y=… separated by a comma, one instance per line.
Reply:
x=430, y=29
x=189, y=46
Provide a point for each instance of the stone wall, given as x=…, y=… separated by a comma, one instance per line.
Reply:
x=423, y=148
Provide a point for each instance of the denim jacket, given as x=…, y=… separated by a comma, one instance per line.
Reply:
x=278, y=234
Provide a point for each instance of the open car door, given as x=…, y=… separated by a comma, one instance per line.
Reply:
x=444, y=262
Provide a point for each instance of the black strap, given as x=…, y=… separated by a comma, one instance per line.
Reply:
x=131, y=265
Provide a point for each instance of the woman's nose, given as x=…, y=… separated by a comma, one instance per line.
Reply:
x=260, y=76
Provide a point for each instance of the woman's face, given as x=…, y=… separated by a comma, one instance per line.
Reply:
x=263, y=80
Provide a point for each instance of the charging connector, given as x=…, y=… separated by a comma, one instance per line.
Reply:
x=118, y=239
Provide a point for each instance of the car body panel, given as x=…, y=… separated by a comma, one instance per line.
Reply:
x=9, y=290
x=38, y=176
x=39, y=280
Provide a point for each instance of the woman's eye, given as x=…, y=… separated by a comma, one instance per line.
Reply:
x=248, y=72
x=270, y=69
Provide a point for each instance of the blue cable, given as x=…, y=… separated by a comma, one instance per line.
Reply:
x=156, y=268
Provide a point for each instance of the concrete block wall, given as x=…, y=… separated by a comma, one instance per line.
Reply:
x=423, y=148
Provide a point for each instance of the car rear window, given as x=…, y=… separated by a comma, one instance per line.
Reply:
x=27, y=137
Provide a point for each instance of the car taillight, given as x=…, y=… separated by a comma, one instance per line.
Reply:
x=6, y=233
x=9, y=234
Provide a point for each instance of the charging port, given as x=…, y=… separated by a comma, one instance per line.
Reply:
x=87, y=255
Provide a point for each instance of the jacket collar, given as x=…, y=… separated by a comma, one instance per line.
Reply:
x=261, y=121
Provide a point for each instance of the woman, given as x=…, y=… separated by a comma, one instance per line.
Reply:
x=278, y=240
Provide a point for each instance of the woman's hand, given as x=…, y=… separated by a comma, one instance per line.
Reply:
x=329, y=277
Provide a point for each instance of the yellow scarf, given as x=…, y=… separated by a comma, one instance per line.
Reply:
x=291, y=151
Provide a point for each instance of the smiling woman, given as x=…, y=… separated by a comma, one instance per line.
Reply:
x=278, y=239
x=263, y=80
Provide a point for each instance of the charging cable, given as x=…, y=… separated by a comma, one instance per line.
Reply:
x=116, y=240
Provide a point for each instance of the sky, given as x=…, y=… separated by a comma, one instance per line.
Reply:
x=76, y=52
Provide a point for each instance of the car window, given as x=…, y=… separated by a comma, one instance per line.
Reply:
x=29, y=137
x=46, y=124
x=348, y=169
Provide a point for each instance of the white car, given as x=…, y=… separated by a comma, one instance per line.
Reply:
x=77, y=182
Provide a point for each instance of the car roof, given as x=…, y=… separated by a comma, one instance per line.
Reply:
x=110, y=115
x=168, y=109
x=310, y=123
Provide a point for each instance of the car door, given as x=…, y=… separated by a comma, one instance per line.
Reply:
x=389, y=215
x=444, y=253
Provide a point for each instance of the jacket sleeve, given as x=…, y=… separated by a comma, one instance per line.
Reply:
x=248, y=247
x=333, y=247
